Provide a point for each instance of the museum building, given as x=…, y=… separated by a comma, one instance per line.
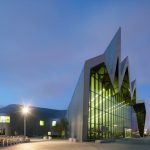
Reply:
x=104, y=103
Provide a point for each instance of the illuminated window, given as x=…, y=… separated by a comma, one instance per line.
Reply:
x=53, y=123
x=49, y=133
x=4, y=119
x=42, y=123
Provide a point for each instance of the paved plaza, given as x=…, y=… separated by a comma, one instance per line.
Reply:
x=66, y=145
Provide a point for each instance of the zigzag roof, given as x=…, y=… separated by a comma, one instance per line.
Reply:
x=111, y=56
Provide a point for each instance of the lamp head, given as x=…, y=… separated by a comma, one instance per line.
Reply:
x=25, y=110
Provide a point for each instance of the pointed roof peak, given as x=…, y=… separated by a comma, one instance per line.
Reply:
x=125, y=59
x=116, y=41
x=123, y=63
x=117, y=35
x=133, y=83
x=119, y=30
x=112, y=53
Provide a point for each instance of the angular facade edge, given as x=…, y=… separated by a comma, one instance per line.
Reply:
x=114, y=47
x=75, y=110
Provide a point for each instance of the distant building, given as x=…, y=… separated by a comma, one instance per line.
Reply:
x=104, y=101
x=39, y=121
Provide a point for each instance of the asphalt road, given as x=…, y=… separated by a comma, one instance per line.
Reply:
x=66, y=145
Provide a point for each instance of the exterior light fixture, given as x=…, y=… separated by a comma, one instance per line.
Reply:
x=25, y=111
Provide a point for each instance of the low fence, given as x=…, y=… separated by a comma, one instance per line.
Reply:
x=11, y=140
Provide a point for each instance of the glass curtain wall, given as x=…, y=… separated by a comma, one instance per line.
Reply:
x=109, y=112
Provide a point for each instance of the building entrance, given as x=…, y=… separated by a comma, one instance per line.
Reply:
x=127, y=133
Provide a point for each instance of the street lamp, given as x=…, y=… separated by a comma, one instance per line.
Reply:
x=25, y=111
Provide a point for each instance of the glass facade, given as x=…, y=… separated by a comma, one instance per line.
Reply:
x=109, y=109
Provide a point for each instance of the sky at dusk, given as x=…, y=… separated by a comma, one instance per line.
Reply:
x=44, y=44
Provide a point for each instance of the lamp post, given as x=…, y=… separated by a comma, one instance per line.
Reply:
x=25, y=111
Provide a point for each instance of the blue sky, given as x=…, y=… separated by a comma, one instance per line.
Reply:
x=44, y=43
